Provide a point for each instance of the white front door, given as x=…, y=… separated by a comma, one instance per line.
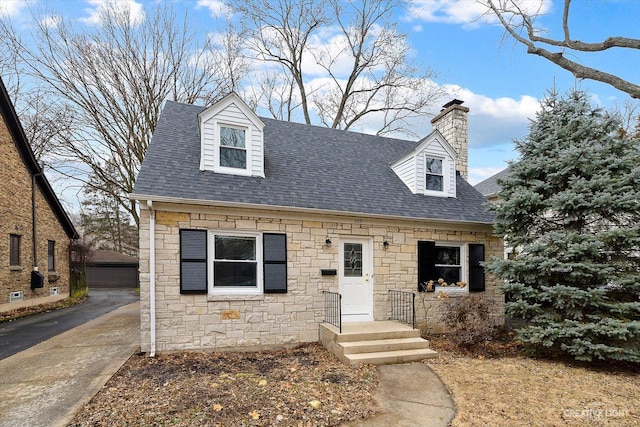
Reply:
x=356, y=279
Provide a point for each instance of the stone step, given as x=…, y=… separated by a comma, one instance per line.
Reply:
x=375, y=346
x=390, y=357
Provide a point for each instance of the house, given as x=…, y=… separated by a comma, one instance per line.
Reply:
x=29, y=212
x=111, y=269
x=249, y=225
x=490, y=187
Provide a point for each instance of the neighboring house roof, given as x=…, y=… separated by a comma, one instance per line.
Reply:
x=107, y=257
x=490, y=186
x=30, y=161
x=306, y=168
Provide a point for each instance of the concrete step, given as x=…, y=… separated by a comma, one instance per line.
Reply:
x=379, y=333
x=375, y=346
x=390, y=357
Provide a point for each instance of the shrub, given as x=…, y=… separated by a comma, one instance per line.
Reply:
x=469, y=320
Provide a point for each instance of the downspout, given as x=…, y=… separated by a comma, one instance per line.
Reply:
x=152, y=277
x=34, y=233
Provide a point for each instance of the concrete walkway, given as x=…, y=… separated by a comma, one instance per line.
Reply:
x=46, y=384
x=412, y=395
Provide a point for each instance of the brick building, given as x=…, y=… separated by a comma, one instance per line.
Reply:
x=25, y=190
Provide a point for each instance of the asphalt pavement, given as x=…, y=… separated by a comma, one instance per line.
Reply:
x=45, y=385
x=20, y=334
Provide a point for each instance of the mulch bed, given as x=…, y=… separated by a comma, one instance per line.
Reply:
x=303, y=386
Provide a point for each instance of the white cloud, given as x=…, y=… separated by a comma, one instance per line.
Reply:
x=216, y=7
x=134, y=9
x=12, y=7
x=51, y=21
x=466, y=12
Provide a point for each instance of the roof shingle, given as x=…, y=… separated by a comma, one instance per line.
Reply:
x=309, y=167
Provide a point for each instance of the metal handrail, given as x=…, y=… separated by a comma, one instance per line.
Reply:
x=403, y=307
x=333, y=309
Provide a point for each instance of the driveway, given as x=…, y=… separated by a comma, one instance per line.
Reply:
x=26, y=332
x=45, y=385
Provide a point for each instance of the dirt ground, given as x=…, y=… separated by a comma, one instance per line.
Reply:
x=304, y=386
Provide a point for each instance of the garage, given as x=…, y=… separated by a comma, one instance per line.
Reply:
x=110, y=269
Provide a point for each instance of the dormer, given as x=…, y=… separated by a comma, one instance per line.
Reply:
x=430, y=168
x=231, y=138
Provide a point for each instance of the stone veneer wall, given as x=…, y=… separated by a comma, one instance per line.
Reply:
x=205, y=321
x=452, y=123
x=15, y=218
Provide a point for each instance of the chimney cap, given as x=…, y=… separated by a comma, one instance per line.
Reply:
x=453, y=102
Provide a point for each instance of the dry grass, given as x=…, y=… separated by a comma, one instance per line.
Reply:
x=513, y=390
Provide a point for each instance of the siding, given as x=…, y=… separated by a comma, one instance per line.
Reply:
x=233, y=115
x=406, y=171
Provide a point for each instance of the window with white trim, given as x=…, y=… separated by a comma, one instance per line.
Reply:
x=450, y=267
x=232, y=147
x=434, y=176
x=232, y=262
x=235, y=263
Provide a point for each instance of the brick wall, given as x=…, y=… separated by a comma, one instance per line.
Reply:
x=15, y=218
x=207, y=321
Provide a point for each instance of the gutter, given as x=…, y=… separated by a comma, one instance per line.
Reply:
x=152, y=277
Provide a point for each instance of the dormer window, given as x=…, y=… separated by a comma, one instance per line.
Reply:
x=231, y=139
x=434, y=179
x=233, y=147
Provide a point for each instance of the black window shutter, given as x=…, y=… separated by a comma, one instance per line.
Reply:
x=193, y=261
x=476, y=270
x=426, y=263
x=275, y=263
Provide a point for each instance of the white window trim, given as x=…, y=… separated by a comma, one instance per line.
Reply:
x=445, y=176
x=463, y=269
x=230, y=290
x=216, y=146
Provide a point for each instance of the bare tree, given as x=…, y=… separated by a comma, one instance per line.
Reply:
x=520, y=23
x=105, y=86
x=365, y=70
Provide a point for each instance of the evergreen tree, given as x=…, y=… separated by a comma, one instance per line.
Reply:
x=571, y=210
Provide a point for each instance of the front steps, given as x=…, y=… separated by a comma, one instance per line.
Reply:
x=378, y=343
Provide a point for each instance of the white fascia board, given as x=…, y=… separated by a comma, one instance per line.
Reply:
x=222, y=204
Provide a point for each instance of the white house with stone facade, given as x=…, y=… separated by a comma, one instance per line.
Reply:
x=246, y=223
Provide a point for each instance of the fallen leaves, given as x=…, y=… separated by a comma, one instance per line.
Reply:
x=229, y=389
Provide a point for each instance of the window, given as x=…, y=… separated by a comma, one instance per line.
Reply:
x=233, y=147
x=352, y=260
x=447, y=261
x=51, y=255
x=235, y=262
x=434, y=179
x=448, y=266
x=232, y=262
x=14, y=249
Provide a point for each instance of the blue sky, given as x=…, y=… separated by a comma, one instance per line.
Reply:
x=498, y=81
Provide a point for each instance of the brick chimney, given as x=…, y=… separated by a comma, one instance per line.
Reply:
x=452, y=124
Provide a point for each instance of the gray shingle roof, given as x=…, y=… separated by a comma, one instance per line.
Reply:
x=490, y=186
x=308, y=167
